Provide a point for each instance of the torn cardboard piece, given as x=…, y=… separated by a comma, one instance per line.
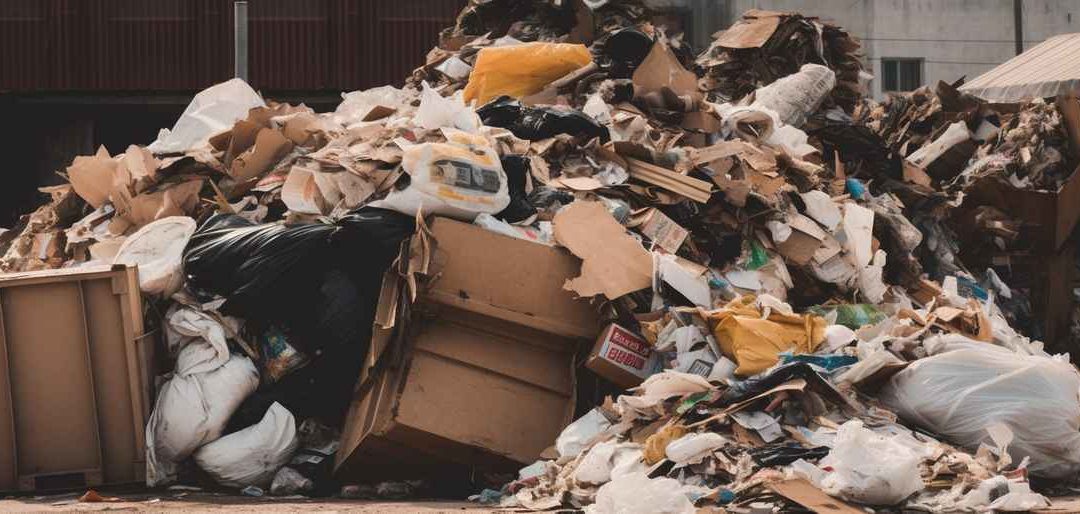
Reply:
x=270, y=147
x=614, y=264
x=662, y=69
x=660, y=229
x=92, y=176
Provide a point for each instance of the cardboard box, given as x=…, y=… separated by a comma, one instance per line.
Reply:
x=75, y=383
x=1053, y=214
x=623, y=358
x=479, y=371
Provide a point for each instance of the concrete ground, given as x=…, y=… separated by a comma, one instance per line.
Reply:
x=207, y=502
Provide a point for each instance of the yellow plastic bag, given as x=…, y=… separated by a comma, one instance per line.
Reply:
x=522, y=70
x=755, y=343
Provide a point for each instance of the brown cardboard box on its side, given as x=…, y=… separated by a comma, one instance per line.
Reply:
x=623, y=358
x=479, y=371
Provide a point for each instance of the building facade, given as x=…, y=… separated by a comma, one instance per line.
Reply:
x=911, y=43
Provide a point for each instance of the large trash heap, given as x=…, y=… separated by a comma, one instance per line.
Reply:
x=781, y=245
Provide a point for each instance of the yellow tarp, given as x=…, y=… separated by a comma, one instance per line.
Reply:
x=755, y=343
x=522, y=70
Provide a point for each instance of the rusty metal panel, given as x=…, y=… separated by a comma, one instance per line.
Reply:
x=186, y=45
x=288, y=44
x=114, y=45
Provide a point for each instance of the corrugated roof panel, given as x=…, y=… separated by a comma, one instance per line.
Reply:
x=1047, y=69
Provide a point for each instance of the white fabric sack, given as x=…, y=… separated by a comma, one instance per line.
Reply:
x=158, y=250
x=192, y=410
x=213, y=110
x=207, y=348
x=253, y=455
x=966, y=386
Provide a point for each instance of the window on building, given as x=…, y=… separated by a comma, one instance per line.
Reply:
x=901, y=74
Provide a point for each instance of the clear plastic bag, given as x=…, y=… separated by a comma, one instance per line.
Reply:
x=967, y=386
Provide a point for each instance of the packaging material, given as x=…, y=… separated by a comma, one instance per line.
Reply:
x=78, y=378
x=614, y=263
x=251, y=456
x=660, y=229
x=607, y=461
x=485, y=375
x=460, y=179
x=288, y=481
x=754, y=342
x=522, y=70
x=158, y=250
x=966, y=386
x=870, y=468
x=796, y=96
x=639, y=494
x=436, y=112
x=539, y=123
x=576, y=435
x=623, y=358
x=693, y=448
x=213, y=110
x=192, y=410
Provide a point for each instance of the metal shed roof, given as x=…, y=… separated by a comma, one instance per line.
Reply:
x=1047, y=69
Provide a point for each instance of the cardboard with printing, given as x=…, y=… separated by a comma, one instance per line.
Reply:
x=479, y=370
x=622, y=357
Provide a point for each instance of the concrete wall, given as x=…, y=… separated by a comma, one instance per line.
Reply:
x=956, y=38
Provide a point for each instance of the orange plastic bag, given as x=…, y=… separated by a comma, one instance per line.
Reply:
x=522, y=70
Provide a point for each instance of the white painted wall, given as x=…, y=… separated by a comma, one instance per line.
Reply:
x=955, y=37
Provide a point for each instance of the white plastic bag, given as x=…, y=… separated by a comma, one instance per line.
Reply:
x=870, y=468
x=437, y=111
x=253, y=455
x=574, y=437
x=192, y=410
x=694, y=447
x=607, y=461
x=797, y=95
x=967, y=386
x=158, y=250
x=459, y=179
x=636, y=493
x=213, y=110
x=355, y=105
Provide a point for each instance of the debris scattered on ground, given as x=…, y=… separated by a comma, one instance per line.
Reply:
x=769, y=265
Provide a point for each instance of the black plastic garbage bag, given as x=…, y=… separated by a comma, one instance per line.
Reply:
x=319, y=283
x=536, y=123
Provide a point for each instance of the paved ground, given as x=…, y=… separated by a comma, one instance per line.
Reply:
x=203, y=502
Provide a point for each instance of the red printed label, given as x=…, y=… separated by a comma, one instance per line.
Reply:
x=629, y=341
x=620, y=356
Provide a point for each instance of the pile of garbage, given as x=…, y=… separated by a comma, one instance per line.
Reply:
x=772, y=256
